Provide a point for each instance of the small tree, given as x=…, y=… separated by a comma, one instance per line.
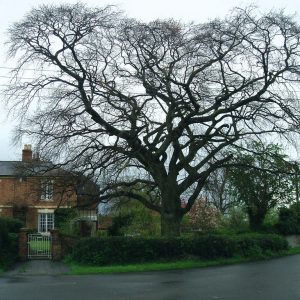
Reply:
x=261, y=181
x=236, y=220
x=217, y=191
x=203, y=216
x=130, y=217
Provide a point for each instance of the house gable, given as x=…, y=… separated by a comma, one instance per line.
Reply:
x=29, y=187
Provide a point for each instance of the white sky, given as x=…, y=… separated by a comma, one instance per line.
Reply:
x=186, y=10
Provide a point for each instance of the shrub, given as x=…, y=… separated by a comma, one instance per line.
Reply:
x=118, y=223
x=137, y=221
x=9, y=241
x=236, y=220
x=10, y=225
x=253, y=244
x=289, y=219
x=64, y=214
x=67, y=243
x=65, y=221
x=123, y=250
x=271, y=221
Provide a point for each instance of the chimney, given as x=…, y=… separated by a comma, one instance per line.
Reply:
x=27, y=153
x=36, y=156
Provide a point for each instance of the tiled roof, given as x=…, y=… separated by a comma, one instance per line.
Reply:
x=19, y=168
x=8, y=168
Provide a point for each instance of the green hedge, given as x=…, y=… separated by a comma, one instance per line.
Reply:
x=258, y=244
x=123, y=250
x=9, y=229
x=10, y=225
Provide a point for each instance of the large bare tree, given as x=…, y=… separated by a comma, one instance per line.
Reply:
x=151, y=105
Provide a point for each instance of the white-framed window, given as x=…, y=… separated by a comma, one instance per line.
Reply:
x=45, y=222
x=46, y=189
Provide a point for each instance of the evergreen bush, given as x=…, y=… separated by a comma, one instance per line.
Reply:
x=289, y=219
x=9, y=229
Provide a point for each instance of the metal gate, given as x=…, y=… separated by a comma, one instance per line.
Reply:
x=39, y=246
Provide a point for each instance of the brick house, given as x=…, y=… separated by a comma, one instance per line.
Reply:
x=31, y=191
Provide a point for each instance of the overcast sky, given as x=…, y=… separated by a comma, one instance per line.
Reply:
x=187, y=10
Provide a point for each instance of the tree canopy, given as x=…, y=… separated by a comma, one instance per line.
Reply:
x=261, y=181
x=156, y=104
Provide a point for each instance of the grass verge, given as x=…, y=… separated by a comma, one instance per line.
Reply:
x=77, y=269
x=293, y=251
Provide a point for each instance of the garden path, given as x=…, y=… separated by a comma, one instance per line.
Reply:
x=39, y=267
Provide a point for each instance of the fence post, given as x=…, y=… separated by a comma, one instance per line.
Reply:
x=56, y=245
x=23, y=244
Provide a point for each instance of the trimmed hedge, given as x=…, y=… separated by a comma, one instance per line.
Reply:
x=9, y=229
x=124, y=250
x=257, y=244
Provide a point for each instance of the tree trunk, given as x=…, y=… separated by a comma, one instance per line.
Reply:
x=170, y=224
x=256, y=220
x=171, y=214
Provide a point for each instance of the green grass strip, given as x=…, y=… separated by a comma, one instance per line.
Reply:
x=77, y=269
x=294, y=250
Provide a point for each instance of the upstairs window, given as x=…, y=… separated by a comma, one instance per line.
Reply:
x=46, y=190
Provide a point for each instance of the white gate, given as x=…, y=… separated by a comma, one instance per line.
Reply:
x=39, y=246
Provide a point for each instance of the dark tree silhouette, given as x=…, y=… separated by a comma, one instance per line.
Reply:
x=262, y=181
x=153, y=104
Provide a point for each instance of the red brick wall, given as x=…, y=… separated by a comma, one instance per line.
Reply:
x=26, y=193
x=6, y=212
x=14, y=191
x=31, y=218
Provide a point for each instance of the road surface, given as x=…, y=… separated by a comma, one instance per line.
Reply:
x=267, y=280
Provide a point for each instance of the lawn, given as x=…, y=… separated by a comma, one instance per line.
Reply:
x=39, y=245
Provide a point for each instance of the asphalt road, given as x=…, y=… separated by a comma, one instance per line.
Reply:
x=270, y=280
